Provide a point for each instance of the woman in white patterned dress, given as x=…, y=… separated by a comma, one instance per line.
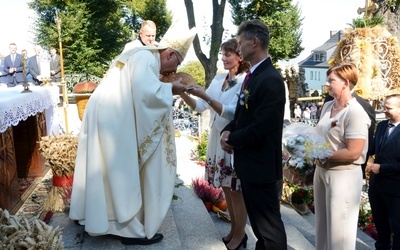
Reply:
x=221, y=98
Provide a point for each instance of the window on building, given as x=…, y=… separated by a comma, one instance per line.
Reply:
x=311, y=75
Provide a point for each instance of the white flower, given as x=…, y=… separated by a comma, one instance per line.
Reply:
x=302, y=145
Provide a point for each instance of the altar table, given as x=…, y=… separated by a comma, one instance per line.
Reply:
x=24, y=119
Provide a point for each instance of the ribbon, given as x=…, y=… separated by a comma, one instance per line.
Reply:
x=63, y=181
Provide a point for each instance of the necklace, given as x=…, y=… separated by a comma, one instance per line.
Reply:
x=336, y=109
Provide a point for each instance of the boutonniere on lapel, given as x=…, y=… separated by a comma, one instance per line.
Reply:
x=333, y=124
x=244, y=97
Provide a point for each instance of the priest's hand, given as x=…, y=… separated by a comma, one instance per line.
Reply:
x=177, y=87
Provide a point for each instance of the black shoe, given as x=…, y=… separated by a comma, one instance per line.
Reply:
x=142, y=241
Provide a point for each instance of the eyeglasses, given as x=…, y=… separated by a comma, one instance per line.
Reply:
x=387, y=108
x=177, y=58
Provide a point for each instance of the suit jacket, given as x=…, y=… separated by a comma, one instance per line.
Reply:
x=18, y=74
x=387, y=154
x=34, y=69
x=56, y=66
x=256, y=130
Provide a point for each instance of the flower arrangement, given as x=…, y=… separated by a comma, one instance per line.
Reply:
x=300, y=198
x=207, y=193
x=244, y=97
x=301, y=146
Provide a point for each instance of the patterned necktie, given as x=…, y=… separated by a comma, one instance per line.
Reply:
x=246, y=79
x=389, y=126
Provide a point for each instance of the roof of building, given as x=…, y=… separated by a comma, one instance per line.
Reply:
x=329, y=44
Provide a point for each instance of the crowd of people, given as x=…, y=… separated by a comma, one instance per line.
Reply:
x=306, y=112
x=17, y=68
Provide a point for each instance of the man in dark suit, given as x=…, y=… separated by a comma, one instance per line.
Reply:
x=13, y=67
x=255, y=137
x=371, y=114
x=55, y=66
x=384, y=189
x=34, y=66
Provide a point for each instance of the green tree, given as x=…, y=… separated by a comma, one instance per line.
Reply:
x=93, y=32
x=282, y=18
x=217, y=29
x=195, y=69
x=155, y=10
x=280, y=15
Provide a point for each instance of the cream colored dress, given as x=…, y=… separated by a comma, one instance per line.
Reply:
x=219, y=171
x=126, y=161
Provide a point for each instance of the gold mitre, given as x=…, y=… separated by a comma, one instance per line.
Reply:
x=178, y=39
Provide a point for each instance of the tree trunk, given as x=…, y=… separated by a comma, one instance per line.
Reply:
x=217, y=29
x=391, y=15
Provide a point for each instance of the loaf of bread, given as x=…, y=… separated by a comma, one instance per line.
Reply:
x=187, y=79
x=85, y=87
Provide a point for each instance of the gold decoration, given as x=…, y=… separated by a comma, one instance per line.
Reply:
x=376, y=54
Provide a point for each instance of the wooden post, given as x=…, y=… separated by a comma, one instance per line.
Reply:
x=63, y=83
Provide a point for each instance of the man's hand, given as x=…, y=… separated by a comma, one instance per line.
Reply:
x=224, y=145
x=177, y=87
x=373, y=167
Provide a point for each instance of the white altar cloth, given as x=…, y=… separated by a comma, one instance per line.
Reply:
x=16, y=106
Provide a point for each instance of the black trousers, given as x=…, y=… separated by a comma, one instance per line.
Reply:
x=386, y=214
x=263, y=209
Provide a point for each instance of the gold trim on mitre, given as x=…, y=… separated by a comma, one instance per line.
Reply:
x=178, y=39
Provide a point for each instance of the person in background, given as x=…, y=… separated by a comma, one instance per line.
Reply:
x=297, y=112
x=125, y=171
x=307, y=114
x=384, y=182
x=55, y=66
x=24, y=54
x=338, y=180
x=147, y=36
x=221, y=98
x=3, y=76
x=313, y=111
x=34, y=66
x=254, y=137
x=13, y=67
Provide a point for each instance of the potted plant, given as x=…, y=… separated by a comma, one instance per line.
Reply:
x=207, y=193
x=82, y=92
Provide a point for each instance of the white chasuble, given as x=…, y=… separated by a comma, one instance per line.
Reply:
x=126, y=161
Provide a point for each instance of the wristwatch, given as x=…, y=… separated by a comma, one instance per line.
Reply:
x=210, y=101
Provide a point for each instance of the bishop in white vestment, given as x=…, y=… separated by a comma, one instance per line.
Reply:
x=126, y=161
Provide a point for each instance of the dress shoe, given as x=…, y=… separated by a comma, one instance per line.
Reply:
x=142, y=241
x=242, y=243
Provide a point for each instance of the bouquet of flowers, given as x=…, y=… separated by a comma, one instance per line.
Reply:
x=302, y=145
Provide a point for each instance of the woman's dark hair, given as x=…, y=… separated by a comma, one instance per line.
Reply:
x=232, y=45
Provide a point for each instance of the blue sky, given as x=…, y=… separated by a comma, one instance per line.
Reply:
x=320, y=17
